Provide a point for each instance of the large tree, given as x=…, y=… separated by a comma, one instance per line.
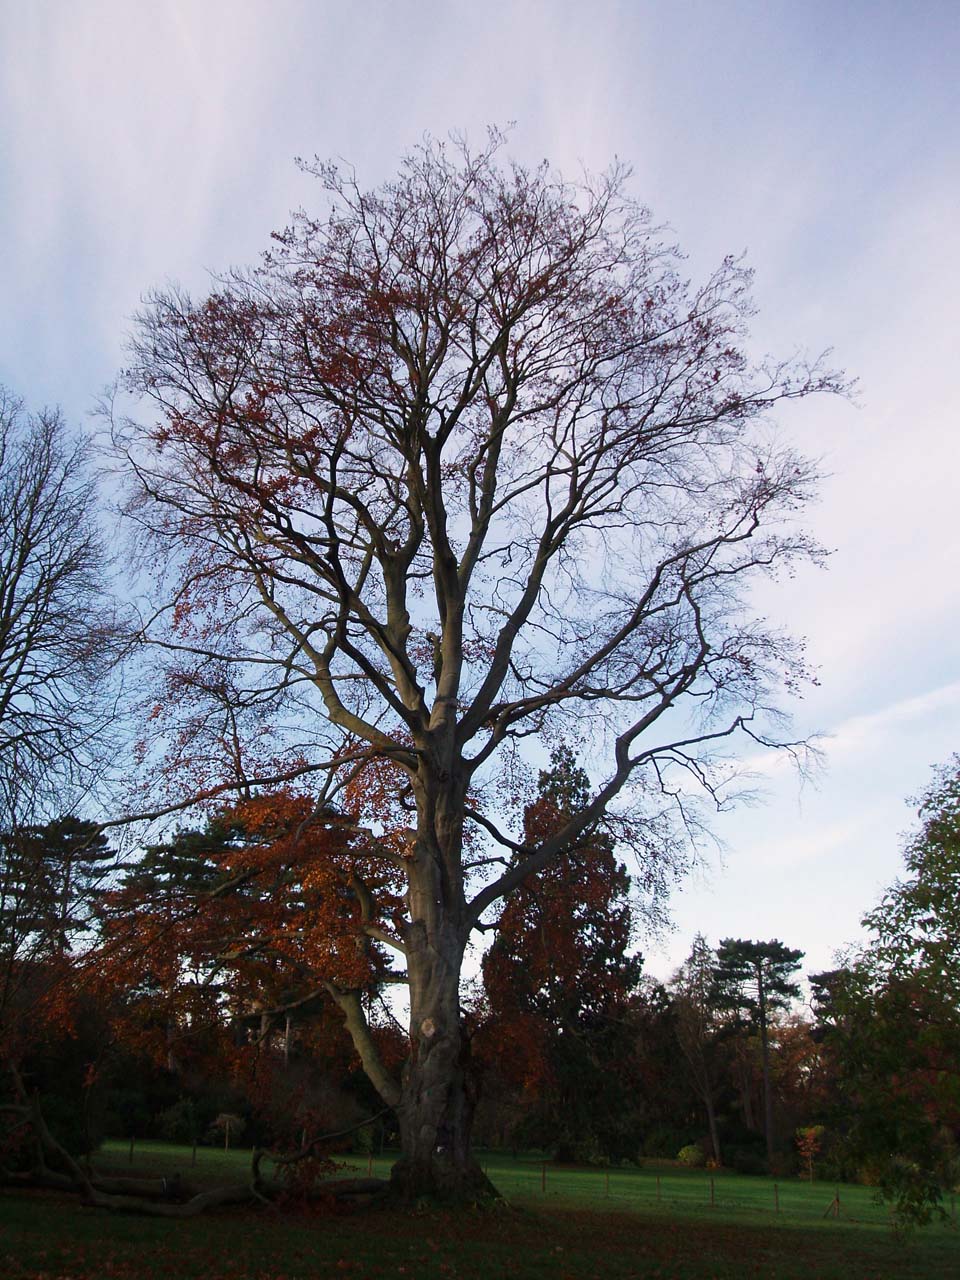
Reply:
x=464, y=463
x=60, y=632
x=698, y=1026
x=754, y=979
x=891, y=1018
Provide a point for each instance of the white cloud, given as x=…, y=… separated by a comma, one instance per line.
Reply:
x=872, y=731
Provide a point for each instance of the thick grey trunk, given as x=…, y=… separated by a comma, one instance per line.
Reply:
x=436, y=1097
x=438, y=1091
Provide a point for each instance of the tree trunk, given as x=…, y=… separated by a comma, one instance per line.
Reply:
x=436, y=1097
x=767, y=1094
x=438, y=1090
x=438, y=1093
x=712, y=1121
x=745, y=1081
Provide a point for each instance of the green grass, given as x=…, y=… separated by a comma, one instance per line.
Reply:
x=576, y=1228
x=660, y=1188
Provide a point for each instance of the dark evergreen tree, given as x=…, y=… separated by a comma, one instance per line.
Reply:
x=560, y=970
x=698, y=1029
x=752, y=979
x=49, y=875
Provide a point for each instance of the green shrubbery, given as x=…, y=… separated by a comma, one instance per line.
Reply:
x=692, y=1156
x=662, y=1142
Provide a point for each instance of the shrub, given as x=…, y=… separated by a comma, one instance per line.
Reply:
x=663, y=1140
x=692, y=1156
x=180, y=1123
x=809, y=1141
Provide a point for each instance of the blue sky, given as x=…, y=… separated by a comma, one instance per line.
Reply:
x=143, y=143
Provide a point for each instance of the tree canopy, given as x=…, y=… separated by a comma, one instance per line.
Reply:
x=754, y=978
x=60, y=632
x=892, y=1017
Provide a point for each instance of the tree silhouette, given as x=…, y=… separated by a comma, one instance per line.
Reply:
x=697, y=1026
x=890, y=1017
x=464, y=461
x=559, y=975
x=753, y=978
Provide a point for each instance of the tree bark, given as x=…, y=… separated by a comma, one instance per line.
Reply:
x=746, y=1084
x=438, y=1100
x=438, y=1093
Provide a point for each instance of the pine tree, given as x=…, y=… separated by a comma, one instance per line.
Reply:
x=753, y=979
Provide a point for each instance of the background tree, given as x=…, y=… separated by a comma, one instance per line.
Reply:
x=60, y=633
x=699, y=1030
x=50, y=1029
x=802, y=1073
x=53, y=1029
x=465, y=460
x=753, y=978
x=210, y=970
x=60, y=640
x=891, y=1018
x=244, y=923
x=49, y=875
x=49, y=878
x=559, y=975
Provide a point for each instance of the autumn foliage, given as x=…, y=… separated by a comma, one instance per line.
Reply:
x=558, y=982
x=464, y=467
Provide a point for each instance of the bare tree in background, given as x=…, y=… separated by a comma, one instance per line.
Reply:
x=59, y=631
x=60, y=644
x=464, y=462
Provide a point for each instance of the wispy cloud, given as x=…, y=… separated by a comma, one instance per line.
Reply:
x=865, y=732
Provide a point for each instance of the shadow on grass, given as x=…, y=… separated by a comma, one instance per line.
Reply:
x=42, y=1235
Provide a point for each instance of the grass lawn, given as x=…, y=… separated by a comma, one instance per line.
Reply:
x=578, y=1227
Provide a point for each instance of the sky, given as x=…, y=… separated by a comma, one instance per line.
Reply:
x=142, y=144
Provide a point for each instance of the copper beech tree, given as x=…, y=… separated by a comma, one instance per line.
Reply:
x=463, y=464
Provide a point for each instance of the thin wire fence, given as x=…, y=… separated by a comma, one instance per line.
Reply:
x=689, y=1192
x=663, y=1189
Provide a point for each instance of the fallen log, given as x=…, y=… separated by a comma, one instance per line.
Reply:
x=171, y=1197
